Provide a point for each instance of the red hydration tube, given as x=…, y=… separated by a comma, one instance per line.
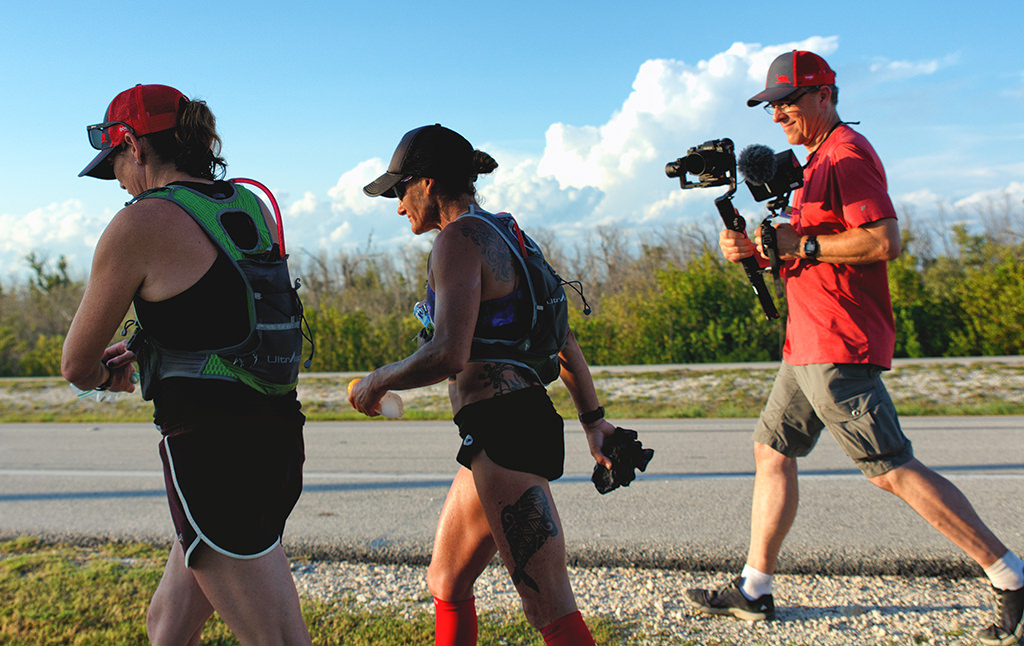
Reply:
x=273, y=203
x=519, y=233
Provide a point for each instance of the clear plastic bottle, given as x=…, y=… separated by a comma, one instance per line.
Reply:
x=390, y=405
x=96, y=395
x=101, y=395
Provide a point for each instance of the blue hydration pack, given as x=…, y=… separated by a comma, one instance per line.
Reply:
x=549, y=326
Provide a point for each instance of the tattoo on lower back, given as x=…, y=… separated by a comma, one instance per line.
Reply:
x=502, y=378
x=528, y=524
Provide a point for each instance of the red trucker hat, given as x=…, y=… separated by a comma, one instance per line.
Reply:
x=793, y=70
x=143, y=109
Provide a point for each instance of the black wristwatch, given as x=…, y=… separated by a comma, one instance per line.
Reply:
x=811, y=247
x=592, y=416
x=109, y=381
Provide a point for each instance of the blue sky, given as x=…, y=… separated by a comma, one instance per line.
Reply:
x=582, y=104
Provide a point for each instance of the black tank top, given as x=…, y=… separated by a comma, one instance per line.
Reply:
x=211, y=313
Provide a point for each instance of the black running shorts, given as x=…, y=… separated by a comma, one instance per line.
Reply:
x=520, y=431
x=232, y=481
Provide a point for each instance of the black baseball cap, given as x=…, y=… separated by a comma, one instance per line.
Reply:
x=792, y=70
x=428, y=151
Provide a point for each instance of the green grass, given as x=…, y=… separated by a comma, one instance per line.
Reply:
x=59, y=594
x=982, y=388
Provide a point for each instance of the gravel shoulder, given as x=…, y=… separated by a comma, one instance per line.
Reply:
x=918, y=386
x=837, y=610
x=812, y=609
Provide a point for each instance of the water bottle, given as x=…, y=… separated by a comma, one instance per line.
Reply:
x=390, y=404
x=101, y=395
x=95, y=395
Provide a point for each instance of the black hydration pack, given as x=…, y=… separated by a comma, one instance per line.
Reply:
x=549, y=327
x=268, y=359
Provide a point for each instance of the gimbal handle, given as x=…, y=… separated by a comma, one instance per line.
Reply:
x=734, y=221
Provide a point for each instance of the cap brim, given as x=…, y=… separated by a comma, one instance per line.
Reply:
x=771, y=94
x=100, y=167
x=383, y=186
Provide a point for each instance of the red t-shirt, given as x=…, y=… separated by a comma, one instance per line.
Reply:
x=839, y=313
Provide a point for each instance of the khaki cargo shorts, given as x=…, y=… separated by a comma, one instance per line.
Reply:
x=848, y=399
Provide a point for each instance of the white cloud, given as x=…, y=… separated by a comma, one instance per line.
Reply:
x=534, y=199
x=307, y=204
x=916, y=199
x=347, y=194
x=901, y=70
x=341, y=234
x=610, y=174
x=58, y=229
x=1010, y=198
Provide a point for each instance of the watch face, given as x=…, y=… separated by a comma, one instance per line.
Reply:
x=811, y=247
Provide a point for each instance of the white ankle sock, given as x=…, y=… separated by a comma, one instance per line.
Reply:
x=1007, y=573
x=755, y=583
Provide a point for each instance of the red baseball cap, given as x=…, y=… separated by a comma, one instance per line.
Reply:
x=143, y=109
x=793, y=70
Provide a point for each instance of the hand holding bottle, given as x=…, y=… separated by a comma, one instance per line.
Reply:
x=390, y=404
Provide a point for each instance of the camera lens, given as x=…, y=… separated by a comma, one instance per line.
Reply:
x=695, y=164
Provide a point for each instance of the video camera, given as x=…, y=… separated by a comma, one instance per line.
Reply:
x=770, y=176
x=714, y=164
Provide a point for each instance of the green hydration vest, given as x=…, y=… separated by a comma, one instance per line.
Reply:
x=268, y=359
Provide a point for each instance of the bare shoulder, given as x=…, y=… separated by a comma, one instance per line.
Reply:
x=154, y=221
x=472, y=235
x=159, y=243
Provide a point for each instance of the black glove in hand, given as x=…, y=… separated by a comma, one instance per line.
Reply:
x=626, y=454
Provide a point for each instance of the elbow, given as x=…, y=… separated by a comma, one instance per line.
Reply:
x=78, y=367
x=891, y=249
x=450, y=360
x=74, y=370
x=451, y=365
x=890, y=242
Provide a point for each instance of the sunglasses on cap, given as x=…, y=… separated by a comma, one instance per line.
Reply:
x=100, y=135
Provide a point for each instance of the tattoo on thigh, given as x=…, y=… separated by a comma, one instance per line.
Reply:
x=528, y=524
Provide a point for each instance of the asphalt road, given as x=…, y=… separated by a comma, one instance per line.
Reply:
x=373, y=491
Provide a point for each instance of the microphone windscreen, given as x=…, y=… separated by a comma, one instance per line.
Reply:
x=757, y=164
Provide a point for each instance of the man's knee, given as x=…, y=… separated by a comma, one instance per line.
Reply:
x=892, y=479
x=767, y=458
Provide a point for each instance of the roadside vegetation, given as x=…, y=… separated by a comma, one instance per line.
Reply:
x=61, y=595
x=667, y=298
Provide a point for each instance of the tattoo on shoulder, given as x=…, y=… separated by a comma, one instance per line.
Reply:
x=527, y=523
x=495, y=252
x=502, y=378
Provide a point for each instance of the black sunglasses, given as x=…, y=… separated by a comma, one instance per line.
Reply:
x=99, y=137
x=788, y=101
x=402, y=185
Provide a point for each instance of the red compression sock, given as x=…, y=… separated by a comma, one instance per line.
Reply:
x=454, y=623
x=567, y=631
